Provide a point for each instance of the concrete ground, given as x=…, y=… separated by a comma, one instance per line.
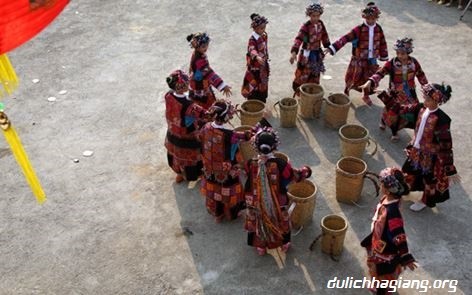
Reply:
x=115, y=223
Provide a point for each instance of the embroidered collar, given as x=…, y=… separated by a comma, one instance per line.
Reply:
x=256, y=35
x=372, y=26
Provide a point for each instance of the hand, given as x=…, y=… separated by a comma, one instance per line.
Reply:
x=267, y=114
x=293, y=57
x=326, y=51
x=227, y=91
x=260, y=60
x=412, y=265
x=455, y=179
x=367, y=86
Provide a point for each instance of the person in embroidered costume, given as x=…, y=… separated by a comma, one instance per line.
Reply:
x=202, y=76
x=256, y=78
x=402, y=71
x=183, y=120
x=386, y=245
x=310, y=56
x=267, y=219
x=221, y=185
x=368, y=45
x=430, y=163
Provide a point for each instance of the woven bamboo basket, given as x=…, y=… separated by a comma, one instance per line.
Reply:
x=288, y=112
x=333, y=228
x=245, y=147
x=350, y=173
x=302, y=193
x=354, y=139
x=251, y=112
x=311, y=98
x=282, y=156
x=336, y=110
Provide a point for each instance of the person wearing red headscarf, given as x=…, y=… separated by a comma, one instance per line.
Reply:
x=256, y=78
x=386, y=245
x=401, y=71
x=310, y=37
x=183, y=118
x=368, y=46
x=430, y=162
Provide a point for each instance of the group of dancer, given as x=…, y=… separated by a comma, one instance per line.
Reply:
x=202, y=145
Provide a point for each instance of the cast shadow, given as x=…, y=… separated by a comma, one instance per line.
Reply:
x=227, y=265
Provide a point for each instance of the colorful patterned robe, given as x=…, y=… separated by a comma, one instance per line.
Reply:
x=221, y=186
x=267, y=219
x=183, y=148
x=402, y=84
x=310, y=56
x=361, y=67
x=387, y=249
x=256, y=78
x=428, y=167
x=202, y=78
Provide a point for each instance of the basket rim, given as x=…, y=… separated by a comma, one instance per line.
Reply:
x=288, y=106
x=354, y=159
x=334, y=216
x=311, y=85
x=328, y=100
x=309, y=182
x=341, y=135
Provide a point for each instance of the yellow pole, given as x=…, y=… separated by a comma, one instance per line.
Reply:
x=21, y=157
x=8, y=78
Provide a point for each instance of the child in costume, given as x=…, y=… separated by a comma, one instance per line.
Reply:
x=202, y=76
x=183, y=119
x=402, y=71
x=430, y=163
x=368, y=45
x=387, y=249
x=267, y=219
x=221, y=185
x=310, y=57
x=256, y=78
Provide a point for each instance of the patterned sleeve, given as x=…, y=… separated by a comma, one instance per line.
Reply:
x=211, y=76
x=240, y=135
x=195, y=111
x=302, y=33
x=443, y=136
x=397, y=232
x=420, y=75
x=252, y=48
x=324, y=36
x=383, y=50
x=349, y=37
x=290, y=174
x=380, y=74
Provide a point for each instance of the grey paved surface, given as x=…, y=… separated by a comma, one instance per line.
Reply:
x=113, y=222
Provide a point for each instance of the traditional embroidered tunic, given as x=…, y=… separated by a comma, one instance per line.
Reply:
x=220, y=185
x=202, y=77
x=368, y=45
x=256, y=78
x=430, y=156
x=310, y=56
x=402, y=82
x=183, y=147
x=267, y=219
x=387, y=249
